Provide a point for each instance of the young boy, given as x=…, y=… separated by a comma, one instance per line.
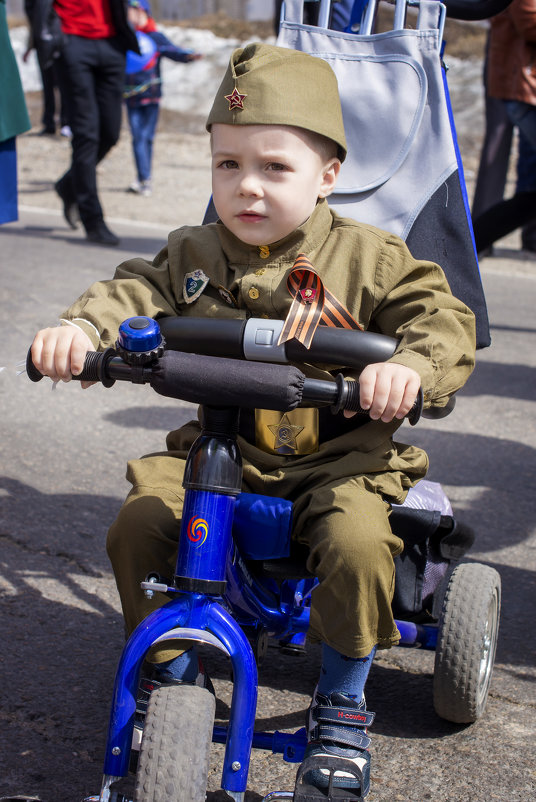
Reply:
x=143, y=90
x=277, y=142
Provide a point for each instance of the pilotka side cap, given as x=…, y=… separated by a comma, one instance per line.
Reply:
x=270, y=85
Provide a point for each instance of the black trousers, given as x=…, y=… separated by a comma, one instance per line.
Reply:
x=93, y=70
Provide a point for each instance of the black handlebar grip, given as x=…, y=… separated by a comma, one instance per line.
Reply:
x=33, y=374
x=349, y=399
x=94, y=370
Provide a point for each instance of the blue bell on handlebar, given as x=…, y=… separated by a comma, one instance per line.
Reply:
x=140, y=341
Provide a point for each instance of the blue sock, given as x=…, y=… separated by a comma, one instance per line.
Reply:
x=184, y=667
x=341, y=674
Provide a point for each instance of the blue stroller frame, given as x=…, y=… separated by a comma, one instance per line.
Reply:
x=219, y=591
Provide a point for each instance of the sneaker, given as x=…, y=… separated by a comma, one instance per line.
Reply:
x=146, y=189
x=135, y=187
x=337, y=728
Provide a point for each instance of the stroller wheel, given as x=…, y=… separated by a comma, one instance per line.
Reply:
x=467, y=641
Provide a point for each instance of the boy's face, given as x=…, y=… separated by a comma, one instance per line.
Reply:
x=266, y=179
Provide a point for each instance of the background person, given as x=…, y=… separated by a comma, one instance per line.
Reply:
x=143, y=90
x=52, y=80
x=95, y=36
x=512, y=80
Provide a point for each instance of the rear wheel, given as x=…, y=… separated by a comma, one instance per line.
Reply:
x=175, y=748
x=467, y=641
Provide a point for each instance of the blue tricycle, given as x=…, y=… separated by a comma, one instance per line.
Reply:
x=237, y=573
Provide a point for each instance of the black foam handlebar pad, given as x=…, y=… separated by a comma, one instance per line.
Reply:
x=215, y=381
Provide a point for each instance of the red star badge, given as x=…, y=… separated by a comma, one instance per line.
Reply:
x=236, y=100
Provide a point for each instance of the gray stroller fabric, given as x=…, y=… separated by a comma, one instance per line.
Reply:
x=401, y=173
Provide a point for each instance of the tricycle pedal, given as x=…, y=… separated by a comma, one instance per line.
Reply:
x=304, y=792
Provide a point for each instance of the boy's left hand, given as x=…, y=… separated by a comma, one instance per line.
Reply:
x=387, y=391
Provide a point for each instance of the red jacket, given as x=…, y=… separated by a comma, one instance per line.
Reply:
x=512, y=54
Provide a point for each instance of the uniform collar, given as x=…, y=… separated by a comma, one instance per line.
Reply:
x=304, y=239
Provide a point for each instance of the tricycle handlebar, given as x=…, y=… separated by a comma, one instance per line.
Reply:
x=221, y=382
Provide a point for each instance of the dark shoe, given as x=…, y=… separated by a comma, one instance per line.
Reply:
x=147, y=685
x=337, y=735
x=102, y=235
x=47, y=132
x=70, y=206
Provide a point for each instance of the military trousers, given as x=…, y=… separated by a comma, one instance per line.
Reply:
x=342, y=518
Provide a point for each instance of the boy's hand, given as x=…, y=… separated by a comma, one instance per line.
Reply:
x=387, y=390
x=59, y=352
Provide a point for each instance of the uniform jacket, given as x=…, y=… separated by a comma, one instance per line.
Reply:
x=371, y=272
x=146, y=86
x=512, y=54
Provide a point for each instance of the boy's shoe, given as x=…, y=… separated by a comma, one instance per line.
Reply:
x=148, y=684
x=337, y=728
x=135, y=187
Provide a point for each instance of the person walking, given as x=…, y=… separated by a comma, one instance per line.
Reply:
x=93, y=41
x=51, y=78
x=512, y=79
x=143, y=88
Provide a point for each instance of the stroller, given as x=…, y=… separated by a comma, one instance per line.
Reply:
x=226, y=592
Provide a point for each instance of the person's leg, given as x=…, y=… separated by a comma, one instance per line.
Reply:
x=59, y=80
x=503, y=218
x=49, y=101
x=135, y=115
x=78, y=62
x=494, y=158
x=151, y=122
x=523, y=115
x=352, y=552
x=526, y=182
x=144, y=539
x=109, y=81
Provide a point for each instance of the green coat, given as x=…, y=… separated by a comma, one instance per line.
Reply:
x=14, y=118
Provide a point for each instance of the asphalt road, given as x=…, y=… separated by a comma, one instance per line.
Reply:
x=62, y=469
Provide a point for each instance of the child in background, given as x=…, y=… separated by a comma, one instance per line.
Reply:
x=143, y=88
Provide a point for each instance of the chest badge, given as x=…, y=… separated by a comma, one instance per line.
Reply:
x=228, y=296
x=194, y=284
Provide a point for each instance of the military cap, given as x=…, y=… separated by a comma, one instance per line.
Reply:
x=270, y=85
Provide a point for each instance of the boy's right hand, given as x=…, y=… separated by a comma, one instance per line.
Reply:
x=59, y=352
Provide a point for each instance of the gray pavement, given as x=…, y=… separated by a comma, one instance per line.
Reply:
x=62, y=480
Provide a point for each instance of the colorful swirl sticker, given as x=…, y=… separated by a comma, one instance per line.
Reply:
x=197, y=531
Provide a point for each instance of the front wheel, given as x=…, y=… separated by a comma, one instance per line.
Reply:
x=465, y=653
x=175, y=748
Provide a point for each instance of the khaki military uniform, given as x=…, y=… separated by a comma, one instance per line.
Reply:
x=341, y=492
